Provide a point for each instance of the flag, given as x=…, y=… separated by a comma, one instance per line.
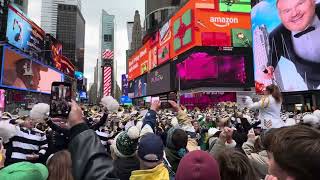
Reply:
x=107, y=54
x=107, y=81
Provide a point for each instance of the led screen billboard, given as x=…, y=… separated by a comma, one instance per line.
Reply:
x=19, y=72
x=286, y=44
x=25, y=34
x=140, y=86
x=159, y=80
x=215, y=67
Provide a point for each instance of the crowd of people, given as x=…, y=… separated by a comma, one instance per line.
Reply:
x=223, y=142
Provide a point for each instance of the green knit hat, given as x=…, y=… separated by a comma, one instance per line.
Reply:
x=24, y=171
x=126, y=142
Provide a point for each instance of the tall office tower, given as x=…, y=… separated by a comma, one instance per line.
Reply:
x=71, y=32
x=136, y=42
x=107, y=75
x=157, y=12
x=129, y=32
x=21, y=4
x=49, y=14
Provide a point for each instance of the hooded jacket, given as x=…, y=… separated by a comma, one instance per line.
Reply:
x=160, y=172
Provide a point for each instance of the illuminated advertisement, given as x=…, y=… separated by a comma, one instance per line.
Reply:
x=19, y=72
x=24, y=34
x=286, y=44
x=140, y=87
x=206, y=67
x=217, y=23
x=125, y=84
x=159, y=80
x=55, y=57
x=2, y=99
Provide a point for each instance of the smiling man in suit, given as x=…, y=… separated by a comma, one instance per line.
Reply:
x=298, y=38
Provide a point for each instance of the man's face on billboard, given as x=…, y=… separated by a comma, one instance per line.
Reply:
x=36, y=76
x=296, y=15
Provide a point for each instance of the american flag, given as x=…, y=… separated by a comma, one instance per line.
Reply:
x=107, y=54
x=107, y=81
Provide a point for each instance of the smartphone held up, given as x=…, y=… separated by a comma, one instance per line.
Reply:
x=61, y=95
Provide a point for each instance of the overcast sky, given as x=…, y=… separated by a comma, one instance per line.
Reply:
x=91, y=9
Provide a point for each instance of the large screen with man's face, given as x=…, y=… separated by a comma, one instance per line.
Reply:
x=286, y=44
x=19, y=72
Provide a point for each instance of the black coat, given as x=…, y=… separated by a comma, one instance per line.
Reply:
x=310, y=68
x=122, y=167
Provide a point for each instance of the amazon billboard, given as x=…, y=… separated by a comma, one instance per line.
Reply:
x=216, y=23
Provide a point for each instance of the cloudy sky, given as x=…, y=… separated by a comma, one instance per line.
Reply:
x=91, y=9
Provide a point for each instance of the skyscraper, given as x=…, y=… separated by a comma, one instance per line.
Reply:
x=21, y=4
x=49, y=14
x=136, y=33
x=107, y=29
x=129, y=32
x=63, y=20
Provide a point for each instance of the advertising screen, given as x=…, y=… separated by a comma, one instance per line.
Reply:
x=140, y=86
x=2, y=99
x=286, y=44
x=25, y=34
x=19, y=72
x=125, y=85
x=159, y=80
x=203, y=67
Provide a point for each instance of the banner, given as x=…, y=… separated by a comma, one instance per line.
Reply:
x=19, y=72
x=140, y=87
x=159, y=80
x=25, y=34
x=107, y=81
x=125, y=84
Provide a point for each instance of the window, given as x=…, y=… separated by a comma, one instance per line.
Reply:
x=107, y=38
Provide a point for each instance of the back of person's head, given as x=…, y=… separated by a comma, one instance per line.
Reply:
x=150, y=151
x=235, y=165
x=198, y=165
x=296, y=153
x=177, y=139
x=60, y=166
x=275, y=92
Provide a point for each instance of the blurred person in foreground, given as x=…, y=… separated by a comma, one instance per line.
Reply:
x=59, y=166
x=294, y=154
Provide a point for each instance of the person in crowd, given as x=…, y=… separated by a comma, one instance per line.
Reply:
x=123, y=152
x=150, y=154
x=225, y=141
x=28, y=144
x=198, y=165
x=60, y=166
x=269, y=107
x=176, y=146
x=294, y=153
x=24, y=171
x=235, y=165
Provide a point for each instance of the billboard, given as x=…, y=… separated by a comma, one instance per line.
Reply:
x=159, y=80
x=140, y=86
x=217, y=23
x=286, y=44
x=25, y=34
x=55, y=58
x=125, y=84
x=2, y=99
x=215, y=67
x=19, y=72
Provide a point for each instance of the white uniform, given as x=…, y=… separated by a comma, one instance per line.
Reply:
x=269, y=111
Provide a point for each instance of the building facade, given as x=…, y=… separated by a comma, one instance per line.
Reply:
x=21, y=4
x=129, y=32
x=107, y=36
x=71, y=33
x=49, y=14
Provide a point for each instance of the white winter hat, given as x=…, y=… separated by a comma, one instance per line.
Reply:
x=110, y=103
x=290, y=122
x=39, y=112
x=311, y=120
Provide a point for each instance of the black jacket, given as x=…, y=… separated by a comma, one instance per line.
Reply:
x=89, y=158
x=124, y=166
x=304, y=67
